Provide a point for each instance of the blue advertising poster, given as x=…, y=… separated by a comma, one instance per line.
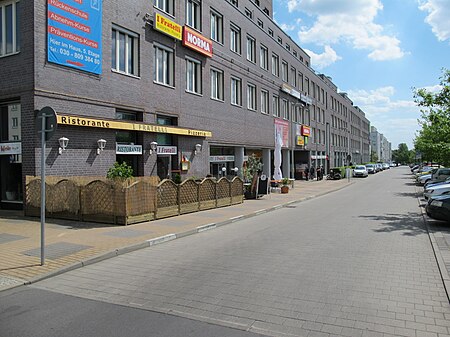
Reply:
x=74, y=32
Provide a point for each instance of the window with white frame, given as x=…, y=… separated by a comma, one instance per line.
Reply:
x=251, y=49
x=275, y=65
x=216, y=26
x=251, y=96
x=284, y=71
x=217, y=84
x=165, y=6
x=276, y=106
x=124, y=51
x=236, y=91
x=264, y=101
x=193, y=76
x=235, y=38
x=9, y=28
x=194, y=14
x=293, y=77
x=294, y=112
x=285, y=109
x=264, y=57
x=163, y=65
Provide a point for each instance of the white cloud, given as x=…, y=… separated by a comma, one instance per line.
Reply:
x=434, y=88
x=286, y=27
x=323, y=60
x=348, y=21
x=438, y=17
x=396, y=119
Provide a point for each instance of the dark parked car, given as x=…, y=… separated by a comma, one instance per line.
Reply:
x=439, y=208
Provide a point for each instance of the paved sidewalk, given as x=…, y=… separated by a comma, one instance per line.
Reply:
x=71, y=244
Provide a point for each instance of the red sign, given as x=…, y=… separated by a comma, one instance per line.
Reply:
x=195, y=41
x=306, y=131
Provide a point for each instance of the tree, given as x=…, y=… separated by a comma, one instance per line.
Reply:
x=373, y=157
x=402, y=154
x=433, y=140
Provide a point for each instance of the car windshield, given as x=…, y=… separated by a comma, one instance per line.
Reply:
x=360, y=168
x=369, y=165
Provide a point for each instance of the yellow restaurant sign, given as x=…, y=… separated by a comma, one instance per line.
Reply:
x=132, y=126
x=167, y=26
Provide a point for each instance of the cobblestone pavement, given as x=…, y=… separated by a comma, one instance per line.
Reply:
x=71, y=244
x=357, y=262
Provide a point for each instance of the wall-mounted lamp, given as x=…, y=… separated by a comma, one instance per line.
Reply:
x=101, y=145
x=198, y=148
x=63, y=142
x=224, y=170
x=235, y=170
x=153, y=147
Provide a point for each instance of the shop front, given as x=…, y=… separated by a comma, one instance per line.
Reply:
x=10, y=156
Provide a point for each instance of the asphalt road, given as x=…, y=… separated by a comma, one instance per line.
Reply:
x=357, y=262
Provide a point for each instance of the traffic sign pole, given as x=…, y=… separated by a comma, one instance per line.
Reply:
x=43, y=130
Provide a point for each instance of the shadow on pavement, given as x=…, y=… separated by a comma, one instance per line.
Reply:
x=406, y=194
x=409, y=223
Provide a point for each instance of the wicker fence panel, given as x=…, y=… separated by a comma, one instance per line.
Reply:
x=223, y=192
x=97, y=201
x=33, y=196
x=167, y=199
x=140, y=202
x=237, y=190
x=63, y=199
x=207, y=194
x=188, y=190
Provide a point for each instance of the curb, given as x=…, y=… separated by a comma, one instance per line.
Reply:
x=165, y=238
x=437, y=253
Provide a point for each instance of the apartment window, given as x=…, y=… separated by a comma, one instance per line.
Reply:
x=264, y=101
x=236, y=91
x=270, y=31
x=193, y=76
x=295, y=53
x=249, y=13
x=280, y=40
x=275, y=65
x=294, y=112
x=9, y=28
x=194, y=14
x=165, y=6
x=217, y=84
x=234, y=2
x=285, y=109
x=260, y=23
x=284, y=71
x=288, y=47
x=264, y=57
x=124, y=51
x=294, y=77
x=251, y=49
x=300, y=81
x=235, y=39
x=251, y=97
x=276, y=106
x=163, y=65
x=216, y=27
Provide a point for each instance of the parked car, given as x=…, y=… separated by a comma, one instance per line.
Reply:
x=360, y=171
x=440, y=174
x=385, y=166
x=370, y=168
x=430, y=183
x=431, y=192
x=423, y=179
x=378, y=167
x=439, y=208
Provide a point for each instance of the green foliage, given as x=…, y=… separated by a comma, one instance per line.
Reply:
x=373, y=157
x=403, y=154
x=176, y=178
x=285, y=181
x=433, y=140
x=120, y=171
x=253, y=166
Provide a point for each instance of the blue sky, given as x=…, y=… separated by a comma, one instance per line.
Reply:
x=376, y=51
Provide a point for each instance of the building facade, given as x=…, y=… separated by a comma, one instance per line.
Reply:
x=189, y=87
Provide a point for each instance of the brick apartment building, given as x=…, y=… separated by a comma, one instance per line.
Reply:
x=174, y=86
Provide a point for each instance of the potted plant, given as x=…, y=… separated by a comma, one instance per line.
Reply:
x=284, y=185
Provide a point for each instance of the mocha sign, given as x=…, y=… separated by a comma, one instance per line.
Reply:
x=195, y=41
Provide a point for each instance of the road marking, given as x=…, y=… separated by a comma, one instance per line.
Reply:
x=206, y=227
x=161, y=239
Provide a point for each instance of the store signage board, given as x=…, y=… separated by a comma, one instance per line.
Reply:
x=168, y=27
x=74, y=34
x=10, y=148
x=131, y=126
x=291, y=91
x=197, y=42
x=128, y=149
x=166, y=150
x=306, y=131
x=221, y=159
